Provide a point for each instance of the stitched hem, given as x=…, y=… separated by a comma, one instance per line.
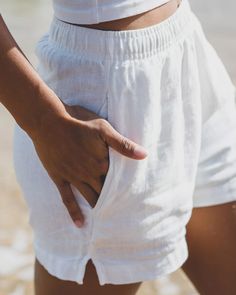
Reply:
x=112, y=273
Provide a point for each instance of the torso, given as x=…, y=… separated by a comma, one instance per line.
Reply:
x=138, y=21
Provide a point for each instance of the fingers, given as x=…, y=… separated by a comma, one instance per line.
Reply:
x=92, y=171
x=88, y=193
x=120, y=143
x=90, y=187
x=97, y=184
x=70, y=202
x=85, y=181
x=97, y=181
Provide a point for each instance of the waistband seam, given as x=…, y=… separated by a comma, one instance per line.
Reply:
x=128, y=44
x=134, y=56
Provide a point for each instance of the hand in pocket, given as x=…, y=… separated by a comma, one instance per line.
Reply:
x=74, y=150
x=91, y=193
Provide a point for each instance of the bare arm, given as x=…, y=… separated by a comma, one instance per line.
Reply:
x=50, y=124
x=22, y=91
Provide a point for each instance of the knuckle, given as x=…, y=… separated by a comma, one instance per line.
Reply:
x=103, y=129
x=103, y=125
x=67, y=200
x=126, y=145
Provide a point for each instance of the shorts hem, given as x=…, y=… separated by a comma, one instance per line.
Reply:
x=217, y=196
x=214, y=200
x=74, y=269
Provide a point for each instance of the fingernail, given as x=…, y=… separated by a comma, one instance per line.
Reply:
x=140, y=151
x=78, y=223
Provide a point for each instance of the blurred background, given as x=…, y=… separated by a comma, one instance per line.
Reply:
x=27, y=21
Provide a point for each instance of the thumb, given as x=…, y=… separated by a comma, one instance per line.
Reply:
x=122, y=144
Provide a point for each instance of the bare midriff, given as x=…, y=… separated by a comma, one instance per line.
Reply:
x=138, y=21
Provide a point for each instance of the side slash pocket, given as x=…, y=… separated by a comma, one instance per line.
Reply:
x=105, y=111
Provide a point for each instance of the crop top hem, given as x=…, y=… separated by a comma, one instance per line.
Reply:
x=99, y=14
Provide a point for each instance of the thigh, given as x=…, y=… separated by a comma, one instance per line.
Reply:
x=46, y=284
x=211, y=237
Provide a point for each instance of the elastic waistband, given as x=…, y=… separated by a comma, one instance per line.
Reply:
x=125, y=44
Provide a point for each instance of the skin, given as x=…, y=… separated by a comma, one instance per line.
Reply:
x=211, y=232
x=211, y=237
x=46, y=284
x=211, y=265
x=138, y=21
x=50, y=124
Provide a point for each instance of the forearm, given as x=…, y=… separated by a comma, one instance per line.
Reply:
x=22, y=91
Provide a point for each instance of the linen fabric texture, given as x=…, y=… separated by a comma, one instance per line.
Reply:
x=165, y=88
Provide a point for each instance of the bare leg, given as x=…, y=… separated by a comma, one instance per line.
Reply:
x=46, y=284
x=211, y=236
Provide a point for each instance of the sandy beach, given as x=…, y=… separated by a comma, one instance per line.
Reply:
x=27, y=21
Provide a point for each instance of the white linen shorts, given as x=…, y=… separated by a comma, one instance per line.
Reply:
x=165, y=88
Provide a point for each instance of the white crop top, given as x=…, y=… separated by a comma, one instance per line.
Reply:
x=96, y=11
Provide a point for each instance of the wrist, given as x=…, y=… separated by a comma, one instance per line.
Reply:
x=45, y=112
